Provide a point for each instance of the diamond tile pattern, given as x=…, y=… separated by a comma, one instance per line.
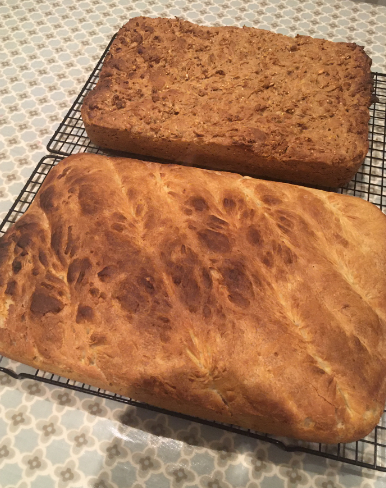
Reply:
x=52, y=437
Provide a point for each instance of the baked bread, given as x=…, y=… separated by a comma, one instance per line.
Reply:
x=255, y=303
x=243, y=100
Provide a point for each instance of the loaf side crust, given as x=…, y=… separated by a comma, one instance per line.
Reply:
x=249, y=302
x=243, y=100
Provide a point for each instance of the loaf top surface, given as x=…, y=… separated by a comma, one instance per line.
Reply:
x=250, y=299
x=280, y=97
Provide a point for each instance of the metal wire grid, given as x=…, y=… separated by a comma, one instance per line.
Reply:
x=29, y=191
x=70, y=137
x=369, y=184
x=369, y=452
x=370, y=181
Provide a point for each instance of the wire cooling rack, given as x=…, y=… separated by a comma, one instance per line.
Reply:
x=369, y=184
x=369, y=452
x=70, y=137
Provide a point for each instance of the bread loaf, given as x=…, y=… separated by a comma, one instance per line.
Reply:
x=255, y=303
x=242, y=100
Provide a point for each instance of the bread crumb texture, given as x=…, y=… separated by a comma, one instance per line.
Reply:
x=250, y=302
x=239, y=99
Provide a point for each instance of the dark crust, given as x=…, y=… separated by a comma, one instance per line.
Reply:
x=250, y=302
x=244, y=100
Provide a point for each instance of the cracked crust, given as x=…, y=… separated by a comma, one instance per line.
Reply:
x=249, y=302
x=243, y=100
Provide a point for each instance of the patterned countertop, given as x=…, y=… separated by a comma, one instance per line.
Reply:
x=55, y=437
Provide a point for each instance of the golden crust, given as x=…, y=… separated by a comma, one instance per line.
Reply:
x=249, y=302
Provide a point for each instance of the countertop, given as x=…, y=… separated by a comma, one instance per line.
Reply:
x=55, y=437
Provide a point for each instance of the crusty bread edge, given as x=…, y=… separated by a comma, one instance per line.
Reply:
x=93, y=376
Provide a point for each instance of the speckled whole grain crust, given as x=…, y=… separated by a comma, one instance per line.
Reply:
x=244, y=100
x=256, y=303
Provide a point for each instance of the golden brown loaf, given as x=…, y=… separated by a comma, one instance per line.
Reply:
x=243, y=100
x=255, y=303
